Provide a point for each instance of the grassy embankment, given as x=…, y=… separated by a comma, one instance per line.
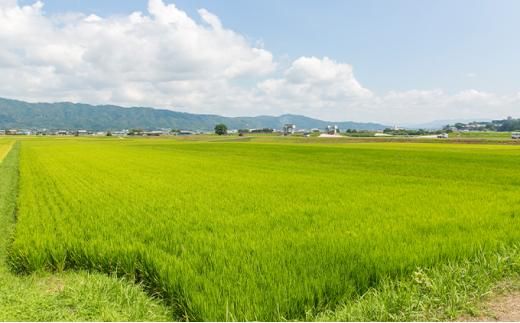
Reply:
x=62, y=296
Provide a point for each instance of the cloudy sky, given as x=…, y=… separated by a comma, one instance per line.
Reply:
x=391, y=61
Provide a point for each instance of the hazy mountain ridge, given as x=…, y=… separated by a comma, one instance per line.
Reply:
x=66, y=115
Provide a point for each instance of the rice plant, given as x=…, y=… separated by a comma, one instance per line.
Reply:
x=260, y=231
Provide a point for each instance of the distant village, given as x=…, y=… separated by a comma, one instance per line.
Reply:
x=507, y=125
x=287, y=129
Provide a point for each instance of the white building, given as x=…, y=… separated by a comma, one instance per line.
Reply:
x=288, y=129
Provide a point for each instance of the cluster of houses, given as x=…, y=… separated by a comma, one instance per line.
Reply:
x=83, y=132
x=287, y=129
x=57, y=132
x=14, y=132
x=509, y=124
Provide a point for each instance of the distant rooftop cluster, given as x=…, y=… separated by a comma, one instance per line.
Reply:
x=287, y=129
x=509, y=124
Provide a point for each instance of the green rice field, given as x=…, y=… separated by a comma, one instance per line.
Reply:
x=266, y=229
x=5, y=146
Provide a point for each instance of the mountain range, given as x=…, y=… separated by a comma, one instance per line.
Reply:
x=66, y=115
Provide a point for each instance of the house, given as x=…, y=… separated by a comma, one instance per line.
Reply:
x=42, y=132
x=332, y=130
x=288, y=129
x=2, y=132
x=186, y=133
x=153, y=133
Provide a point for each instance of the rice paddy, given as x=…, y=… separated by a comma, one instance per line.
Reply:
x=5, y=146
x=270, y=230
x=70, y=296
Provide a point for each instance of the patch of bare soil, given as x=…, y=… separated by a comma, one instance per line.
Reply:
x=503, y=306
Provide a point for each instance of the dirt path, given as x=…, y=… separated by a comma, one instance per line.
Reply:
x=505, y=308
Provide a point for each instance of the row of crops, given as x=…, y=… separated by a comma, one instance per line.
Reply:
x=260, y=231
x=5, y=147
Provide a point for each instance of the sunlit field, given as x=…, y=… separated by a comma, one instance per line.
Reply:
x=482, y=134
x=5, y=146
x=246, y=230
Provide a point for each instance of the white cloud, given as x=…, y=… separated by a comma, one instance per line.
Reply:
x=317, y=87
x=162, y=58
x=437, y=105
x=166, y=58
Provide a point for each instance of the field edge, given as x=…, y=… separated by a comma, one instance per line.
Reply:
x=68, y=296
x=440, y=293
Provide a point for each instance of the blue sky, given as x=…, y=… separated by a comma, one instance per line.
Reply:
x=393, y=46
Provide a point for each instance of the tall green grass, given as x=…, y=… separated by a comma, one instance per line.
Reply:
x=261, y=231
x=446, y=292
x=63, y=297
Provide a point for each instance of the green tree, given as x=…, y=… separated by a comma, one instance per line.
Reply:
x=460, y=125
x=135, y=132
x=221, y=129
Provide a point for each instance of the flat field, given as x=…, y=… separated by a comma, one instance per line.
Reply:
x=5, y=146
x=251, y=230
x=482, y=134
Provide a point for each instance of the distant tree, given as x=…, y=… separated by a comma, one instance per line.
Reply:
x=109, y=133
x=510, y=125
x=460, y=125
x=221, y=129
x=263, y=130
x=135, y=132
x=491, y=127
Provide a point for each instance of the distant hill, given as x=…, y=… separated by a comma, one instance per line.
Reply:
x=65, y=115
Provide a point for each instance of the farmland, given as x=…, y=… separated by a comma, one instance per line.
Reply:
x=260, y=230
x=5, y=146
x=70, y=296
